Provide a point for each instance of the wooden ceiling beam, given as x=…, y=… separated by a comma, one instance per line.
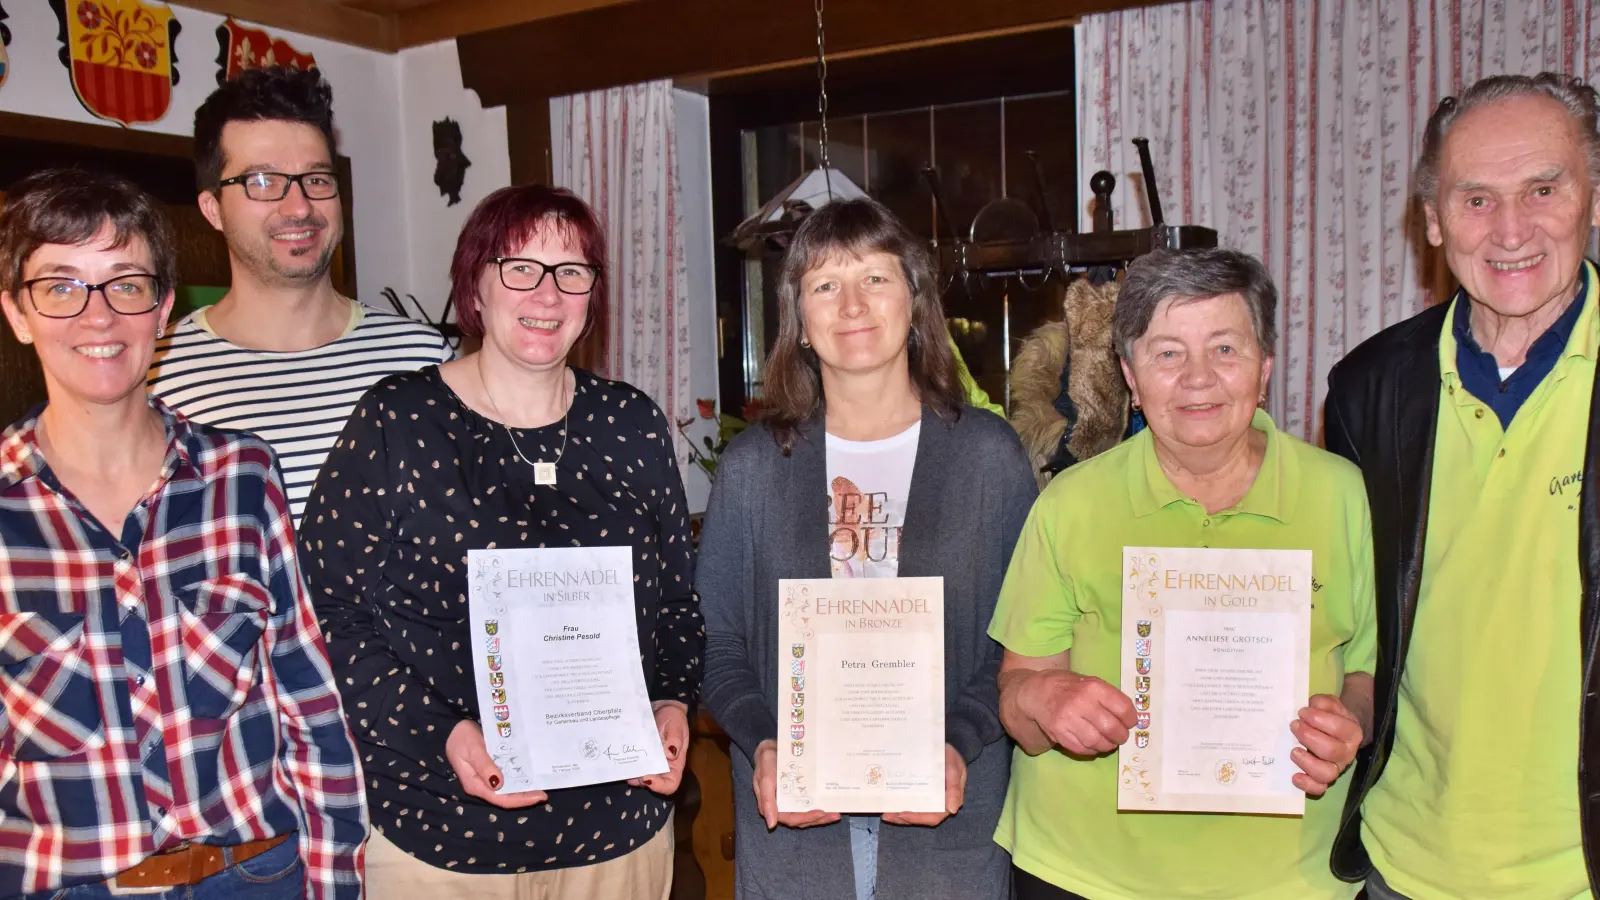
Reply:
x=445, y=19
x=384, y=7
x=315, y=17
x=651, y=39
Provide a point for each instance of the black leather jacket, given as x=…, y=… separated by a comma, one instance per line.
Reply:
x=1383, y=406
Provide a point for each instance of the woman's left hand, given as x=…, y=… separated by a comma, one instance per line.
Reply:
x=955, y=793
x=672, y=722
x=1330, y=735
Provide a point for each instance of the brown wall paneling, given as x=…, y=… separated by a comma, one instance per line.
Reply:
x=323, y=18
x=528, y=140
x=669, y=39
x=161, y=164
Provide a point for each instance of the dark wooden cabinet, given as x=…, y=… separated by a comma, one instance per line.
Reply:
x=21, y=379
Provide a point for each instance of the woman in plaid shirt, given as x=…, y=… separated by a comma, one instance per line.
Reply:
x=170, y=724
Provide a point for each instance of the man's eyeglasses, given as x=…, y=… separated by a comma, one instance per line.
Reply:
x=275, y=185
x=527, y=274
x=64, y=298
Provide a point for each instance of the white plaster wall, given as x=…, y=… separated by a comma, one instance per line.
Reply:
x=385, y=106
x=693, y=130
x=430, y=89
x=373, y=128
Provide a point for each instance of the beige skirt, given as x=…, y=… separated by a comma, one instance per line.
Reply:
x=643, y=874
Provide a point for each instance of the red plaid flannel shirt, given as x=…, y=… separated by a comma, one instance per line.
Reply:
x=168, y=682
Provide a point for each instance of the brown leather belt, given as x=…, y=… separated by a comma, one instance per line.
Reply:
x=190, y=864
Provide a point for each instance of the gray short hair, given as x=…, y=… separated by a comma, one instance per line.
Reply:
x=1579, y=99
x=1194, y=275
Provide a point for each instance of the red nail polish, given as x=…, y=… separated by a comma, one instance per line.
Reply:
x=672, y=750
x=494, y=782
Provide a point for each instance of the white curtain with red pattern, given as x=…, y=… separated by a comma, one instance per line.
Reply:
x=1291, y=127
x=616, y=149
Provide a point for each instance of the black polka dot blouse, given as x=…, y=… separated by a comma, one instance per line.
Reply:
x=415, y=481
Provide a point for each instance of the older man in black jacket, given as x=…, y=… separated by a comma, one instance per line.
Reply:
x=1471, y=423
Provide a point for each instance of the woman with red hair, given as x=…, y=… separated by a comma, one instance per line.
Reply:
x=507, y=447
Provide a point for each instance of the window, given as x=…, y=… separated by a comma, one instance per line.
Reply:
x=972, y=111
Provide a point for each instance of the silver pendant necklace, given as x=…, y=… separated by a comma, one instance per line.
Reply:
x=543, y=472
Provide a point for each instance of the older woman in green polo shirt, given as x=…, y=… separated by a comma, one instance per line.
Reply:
x=1195, y=331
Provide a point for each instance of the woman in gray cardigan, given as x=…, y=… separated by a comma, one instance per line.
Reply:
x=868, y=464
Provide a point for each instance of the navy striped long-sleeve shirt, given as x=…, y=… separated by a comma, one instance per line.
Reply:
x=297, y=401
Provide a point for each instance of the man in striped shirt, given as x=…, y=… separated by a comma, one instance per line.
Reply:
x=283, y=354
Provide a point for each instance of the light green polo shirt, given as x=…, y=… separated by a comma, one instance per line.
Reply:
x=1063, y=591
x=975, y=395
x=1480, y=796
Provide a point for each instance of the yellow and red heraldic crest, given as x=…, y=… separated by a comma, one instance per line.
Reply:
x=242, y=47
x=5, y=38
x=121, y=56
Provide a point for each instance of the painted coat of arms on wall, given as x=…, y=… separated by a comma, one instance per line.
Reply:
x=5, y=38
x=240, y=47
x=121, y=55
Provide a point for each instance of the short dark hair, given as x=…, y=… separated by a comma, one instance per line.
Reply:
x=793, y=387
x=1185, y=275
x=509, y=218
x=272, y=94
x=70, y=206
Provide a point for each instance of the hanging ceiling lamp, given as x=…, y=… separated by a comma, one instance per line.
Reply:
x=775, y=222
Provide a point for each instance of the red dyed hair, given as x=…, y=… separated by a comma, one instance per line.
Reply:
x=508, y=219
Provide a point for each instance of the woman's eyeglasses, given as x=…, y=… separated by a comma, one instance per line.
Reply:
x=64, y=298
x=527, y=274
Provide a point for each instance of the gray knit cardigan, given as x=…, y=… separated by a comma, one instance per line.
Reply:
x=971, y=487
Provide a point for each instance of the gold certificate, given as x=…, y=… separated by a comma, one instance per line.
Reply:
x=1216, y=658
x=861, y=695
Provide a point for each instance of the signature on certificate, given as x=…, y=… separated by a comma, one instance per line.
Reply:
x=625, y=752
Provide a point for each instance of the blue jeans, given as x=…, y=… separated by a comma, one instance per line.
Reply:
x=274, y=875
x=864, y=855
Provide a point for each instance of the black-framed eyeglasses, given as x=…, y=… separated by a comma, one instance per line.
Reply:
x=64, y=298
x=526, y=274
x=270, y=186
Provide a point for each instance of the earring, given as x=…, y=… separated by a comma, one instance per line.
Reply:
x=1135, y=407
x=26, y=339
x=805, y=343
x=160, y=330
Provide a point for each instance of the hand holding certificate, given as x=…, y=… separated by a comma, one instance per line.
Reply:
x=480, y=776
x=1216, y=656
x=861, y=696
x=1330, y=735
x=555, y=651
